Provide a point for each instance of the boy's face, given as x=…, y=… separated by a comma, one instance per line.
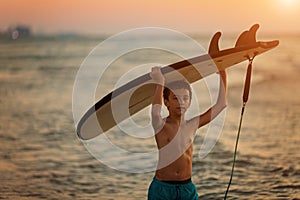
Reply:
x=178, y=101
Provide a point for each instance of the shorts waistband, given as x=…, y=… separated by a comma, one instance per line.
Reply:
x=176, y=182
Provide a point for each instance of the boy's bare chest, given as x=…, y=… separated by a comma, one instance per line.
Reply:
x=178, y=135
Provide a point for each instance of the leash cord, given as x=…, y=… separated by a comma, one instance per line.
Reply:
x=245, y=99
x=235, y=150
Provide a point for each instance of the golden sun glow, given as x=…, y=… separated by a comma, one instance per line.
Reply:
x=99, y=16
x=288, y=2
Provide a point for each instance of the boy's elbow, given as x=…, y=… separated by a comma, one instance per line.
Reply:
x=223, y=105
x=155, y=111
x=155, y=115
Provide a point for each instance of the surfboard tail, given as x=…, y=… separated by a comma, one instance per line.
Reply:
x=246, y=43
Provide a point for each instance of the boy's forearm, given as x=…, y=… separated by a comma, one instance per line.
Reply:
x=221, y=103
x=157, y=121
x=222, y=97
x=158, y=78
x=157, y=100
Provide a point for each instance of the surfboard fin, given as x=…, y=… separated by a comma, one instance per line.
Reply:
x=214, y=44
x=247, y=37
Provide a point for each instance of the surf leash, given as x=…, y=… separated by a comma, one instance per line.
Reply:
x=245, y=99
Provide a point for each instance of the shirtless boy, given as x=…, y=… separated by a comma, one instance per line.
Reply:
x=174, y=137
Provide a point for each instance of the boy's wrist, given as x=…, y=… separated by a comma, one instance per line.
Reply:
x=160, y=82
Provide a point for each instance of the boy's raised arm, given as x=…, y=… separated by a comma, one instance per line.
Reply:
x=157, y=121
x=221, y=103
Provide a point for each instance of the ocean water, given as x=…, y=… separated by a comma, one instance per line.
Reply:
x=42, y=158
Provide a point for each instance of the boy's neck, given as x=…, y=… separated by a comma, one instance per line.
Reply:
x=177, y=118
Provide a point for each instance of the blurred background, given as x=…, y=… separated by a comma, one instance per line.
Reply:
x=43, y=44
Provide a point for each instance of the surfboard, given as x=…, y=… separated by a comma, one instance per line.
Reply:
x=138, y=93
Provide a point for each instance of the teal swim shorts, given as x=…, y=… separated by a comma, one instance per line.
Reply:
x=172, y=190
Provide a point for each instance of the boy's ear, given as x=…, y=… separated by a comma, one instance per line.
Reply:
x=166, y=102
x=189, y=104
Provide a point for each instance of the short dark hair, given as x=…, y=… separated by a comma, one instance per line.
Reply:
x=181, y=84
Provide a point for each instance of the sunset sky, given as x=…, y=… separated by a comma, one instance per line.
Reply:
x=112, y=16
